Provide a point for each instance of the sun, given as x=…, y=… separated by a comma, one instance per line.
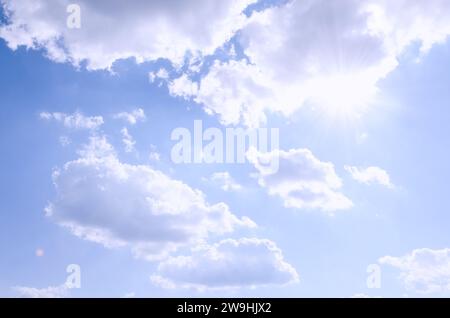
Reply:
x=343, y=96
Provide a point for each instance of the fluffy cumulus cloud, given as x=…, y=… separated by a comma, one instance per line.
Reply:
x=74, y=121
x=48, y=292
x=423, y=270
x=235, y=90
x=183, y=86
x=370, y=175
x=300, y=179
x=329, y=54
x=247, y=262
x=112, y=30
x=101, y=199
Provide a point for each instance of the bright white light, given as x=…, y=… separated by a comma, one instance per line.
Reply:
x=343, y=96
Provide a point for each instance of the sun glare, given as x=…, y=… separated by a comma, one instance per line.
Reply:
x=343, y=96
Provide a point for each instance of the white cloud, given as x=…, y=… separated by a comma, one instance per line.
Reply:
x=183, y=86
x=236, y=91
x=302, y=180
x=423, y=270
x=116, y=204
x=127, y=140
x=370, y=175
x=247, y=262
x=74, y=121
x=325, y=53
x=132, y=117
x=226, y=181
x=113, y=30
x=161, y=74
x=328, y=54
x=48, y=292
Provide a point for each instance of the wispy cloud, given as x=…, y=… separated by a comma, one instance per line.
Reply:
x=128, y=140
x=132, y=117
x=61, y=291
x=74, y=121
x=370, y=175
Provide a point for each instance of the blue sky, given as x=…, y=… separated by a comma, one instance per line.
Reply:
x=301, y=246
